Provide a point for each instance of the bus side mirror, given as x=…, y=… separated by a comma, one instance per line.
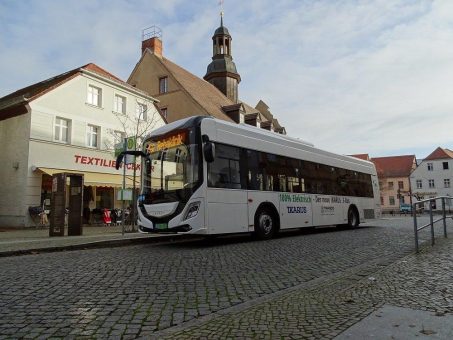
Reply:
x=120, y=157
x=209, y=152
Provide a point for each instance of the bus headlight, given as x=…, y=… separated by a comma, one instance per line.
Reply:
x=192, y=210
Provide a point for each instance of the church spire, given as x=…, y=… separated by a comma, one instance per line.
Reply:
x=221, y=72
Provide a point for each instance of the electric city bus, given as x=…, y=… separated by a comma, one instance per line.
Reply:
x=205, y=176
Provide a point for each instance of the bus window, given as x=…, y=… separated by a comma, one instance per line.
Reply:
x=224, y=172
x=255, y=178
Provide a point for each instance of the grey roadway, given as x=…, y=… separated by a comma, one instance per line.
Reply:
x=310, y=284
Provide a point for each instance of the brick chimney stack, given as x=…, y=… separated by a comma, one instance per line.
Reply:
x=152, y=39
x=154, y=44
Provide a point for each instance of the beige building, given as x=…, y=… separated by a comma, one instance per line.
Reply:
x=68, y=123
x=394, y=180
x=182, y=94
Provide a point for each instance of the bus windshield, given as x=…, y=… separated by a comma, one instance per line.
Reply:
x=172, y=164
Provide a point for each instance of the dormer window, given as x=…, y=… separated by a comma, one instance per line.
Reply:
x=163, y=85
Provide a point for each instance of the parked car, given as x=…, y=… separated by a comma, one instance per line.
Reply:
x=405, y=208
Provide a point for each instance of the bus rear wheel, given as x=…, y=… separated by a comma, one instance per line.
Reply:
x=265, y=224
x=353, y=218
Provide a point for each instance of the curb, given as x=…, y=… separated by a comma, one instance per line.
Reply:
x=98, y=245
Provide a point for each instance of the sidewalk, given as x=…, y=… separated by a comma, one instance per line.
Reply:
x=30, y=240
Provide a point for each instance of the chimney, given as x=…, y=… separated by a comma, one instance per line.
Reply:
x=154, y=44
x=152, y=39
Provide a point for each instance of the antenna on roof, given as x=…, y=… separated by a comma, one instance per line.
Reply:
x=221, y=12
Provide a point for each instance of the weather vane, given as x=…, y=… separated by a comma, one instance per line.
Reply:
x=221, y=8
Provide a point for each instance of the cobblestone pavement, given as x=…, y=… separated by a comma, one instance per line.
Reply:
x=302, y=284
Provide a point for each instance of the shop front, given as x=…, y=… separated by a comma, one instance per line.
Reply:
x=102, y=182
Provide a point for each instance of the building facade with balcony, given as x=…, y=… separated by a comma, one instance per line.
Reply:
x=68, y=123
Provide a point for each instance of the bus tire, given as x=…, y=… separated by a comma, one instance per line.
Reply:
x=265, y=224
x=353, y=217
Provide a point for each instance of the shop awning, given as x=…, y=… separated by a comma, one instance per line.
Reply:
x=96, y=178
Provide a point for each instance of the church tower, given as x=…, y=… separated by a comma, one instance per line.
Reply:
x=221, y=72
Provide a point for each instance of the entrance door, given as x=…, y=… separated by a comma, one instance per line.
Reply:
x=226, y=201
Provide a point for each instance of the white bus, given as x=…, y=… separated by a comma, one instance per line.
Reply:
x=205, y=176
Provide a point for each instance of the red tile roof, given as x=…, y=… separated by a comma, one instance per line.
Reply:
x=440, y=153
x=364, y=156
x=394, y=166
x=204, y=93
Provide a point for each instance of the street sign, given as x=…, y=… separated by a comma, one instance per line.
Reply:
x=130, y=146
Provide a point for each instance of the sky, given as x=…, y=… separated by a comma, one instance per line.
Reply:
x=350, y=76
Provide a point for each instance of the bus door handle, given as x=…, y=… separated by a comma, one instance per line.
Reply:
x=250, y=200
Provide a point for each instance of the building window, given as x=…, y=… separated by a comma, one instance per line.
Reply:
x=94, y=96
x=400, y=185
x=430, y=167
x=431, y=183
x=92, y=136
x=419, y=183
x=164, y=112
x=390, y=185
x=163, y=85
x=446, y=182
x=120, y=104
x=62, y=130
x=392, y=200
x=142, y=111
x=382, y=200
x=445, y=165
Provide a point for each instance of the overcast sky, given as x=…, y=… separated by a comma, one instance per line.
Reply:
x=349, y=76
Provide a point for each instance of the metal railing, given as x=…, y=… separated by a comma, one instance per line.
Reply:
x=431, y=217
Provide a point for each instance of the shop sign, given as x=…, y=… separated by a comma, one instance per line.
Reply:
x=102, y=162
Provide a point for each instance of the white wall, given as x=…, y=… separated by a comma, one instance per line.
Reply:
x=438, y=174
x=21, y=188
x=14, y=141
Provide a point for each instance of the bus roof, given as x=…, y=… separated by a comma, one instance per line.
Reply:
x=263, y=140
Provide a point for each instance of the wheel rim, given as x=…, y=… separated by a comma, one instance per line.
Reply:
x=265, y=222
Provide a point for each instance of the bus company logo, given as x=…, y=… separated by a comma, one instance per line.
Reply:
x=327, y=210
x=297, y=210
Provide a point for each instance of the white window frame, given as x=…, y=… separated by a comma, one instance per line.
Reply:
x=117, y=106
x=141, y=111
x=163, y=85
x=431, y=184
x=447, y=183
x=58, y=136
x=93, y=98
x=445, y=164
x=90, y=134
x=430, y=166
x=419, y=184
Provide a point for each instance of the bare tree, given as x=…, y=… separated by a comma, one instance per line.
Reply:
x=136, y=125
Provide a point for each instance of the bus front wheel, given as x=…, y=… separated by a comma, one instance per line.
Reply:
x=265, y=224
x=353, y=218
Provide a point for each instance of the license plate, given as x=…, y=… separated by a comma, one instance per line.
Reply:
x=161, y=225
